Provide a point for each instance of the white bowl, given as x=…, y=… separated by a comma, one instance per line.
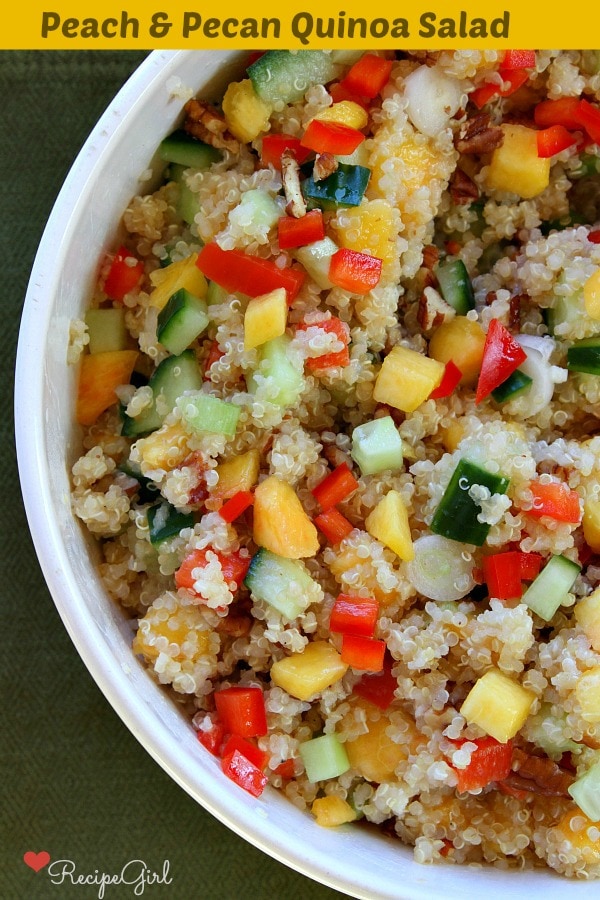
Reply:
x=82, y=225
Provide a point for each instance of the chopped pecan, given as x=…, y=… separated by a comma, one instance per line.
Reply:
x=235, y=625
x=205, y=123
x=462, y=188
x=433, y=310
x=477, y=136
x=514, y=312
x=538, y=775
x=290, y=175
x=431, y=255
x=490, y=298
x=335, y=456
x=325, y=165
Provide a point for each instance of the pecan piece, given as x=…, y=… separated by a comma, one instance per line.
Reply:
x=538, y=775
x=205, y=123
x=290, y=176
x=431, y=255
x=462, y=188
x=477, y=136
x=325, y=165
x=433, y=310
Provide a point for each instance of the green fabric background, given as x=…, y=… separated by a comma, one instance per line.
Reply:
x=74, y=780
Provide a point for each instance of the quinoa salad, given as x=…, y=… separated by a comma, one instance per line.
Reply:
x=339, y=398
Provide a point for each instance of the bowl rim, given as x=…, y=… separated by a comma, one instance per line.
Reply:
x=246, y=820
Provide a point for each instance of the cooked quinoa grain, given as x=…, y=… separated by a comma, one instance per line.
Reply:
x=342, y=454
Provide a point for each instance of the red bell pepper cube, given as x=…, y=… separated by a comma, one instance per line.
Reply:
x=368, y=76
x=213, y=738
x=556, y=501
x=124, y=274
x=273, y=146
x=286, y=769
x=563, y=111
x=517, y=59
x=452, y=247
x=379, y=688
x=340, y=92
x=450, y=380
x=335, y=487
x=214, y=355
x=355, y=272
x=235, y=270
x=501, y=356
x=553, y=140
x=233, y=565
x=512, y=81
x=354, y=615
x=331, y=137
x=242, y=710
x=334, y=525
x=502, y=574
x=253, y=753
x=300, y=232
x=236, y=505
x=363, y=653
x=490, y=762
x=530, y=564
x=327, y=360
x=589, y=117
x=594, y=237
x=244, y=773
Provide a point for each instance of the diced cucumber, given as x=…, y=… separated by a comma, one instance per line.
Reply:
x=515, y=385
x=147, y=491
x=204, y=413
x=584, y=356
x=283, y=76
x=164, y=521
x=345, y=187
x=173, y=377
x=324, y=757
x=546, y=730
x=346, y=57
x=188, y=202
x=274, y=363
x=216, y=293
x=107, y=330
x=550, y=588
x=283, y=583
x=456, y=516
x=316, y=259
x=442, y=569
x=566, y=310
x=185, y=150
x=585, y=791
x=257, y=208
x=377, y=446
x=181, y=321
x=455, y=286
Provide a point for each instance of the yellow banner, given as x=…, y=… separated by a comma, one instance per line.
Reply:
x=236, y=24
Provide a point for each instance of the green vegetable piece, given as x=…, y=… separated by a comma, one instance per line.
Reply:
x=204, y=413
x=324, y=757
x=455, y=286
x=280, y=76
x=550, y=588
x=282, y=583
x=181, y=321
x=377, y=446
x=584, y=356
x=345, y=187
x=274, y=363
x=456, y=516
x=173, y=377
x=515, y=385
x=107, y=330
x=184, y=150
x=585, y=791
x=164, y=521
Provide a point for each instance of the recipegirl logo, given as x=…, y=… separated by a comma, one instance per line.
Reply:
x=135, y=873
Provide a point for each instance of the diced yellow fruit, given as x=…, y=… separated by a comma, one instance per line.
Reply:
x=237, y=474
x=570, y=828
x=587, y=691
x=515, y=165
x=587, y=614
x=452, y=435
x=163, y=449
x=346, y=112
x=280, y=522
x=331, y=811
x=265, y=318
x=245, y=113
x=591, y=524
x=99, y=375
x=498, y=705
x=375, y=755
x=307, y=673
x=388, y=522
x=185, y=624
x=462, y=341
x=182, y=274
x=406, y=379
x=402, y=166
x=591, y=295
x=370, y=228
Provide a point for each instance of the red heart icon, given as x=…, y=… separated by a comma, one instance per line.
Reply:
x=36, y=861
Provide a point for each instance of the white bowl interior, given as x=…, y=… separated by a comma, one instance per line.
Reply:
x=354, y=860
